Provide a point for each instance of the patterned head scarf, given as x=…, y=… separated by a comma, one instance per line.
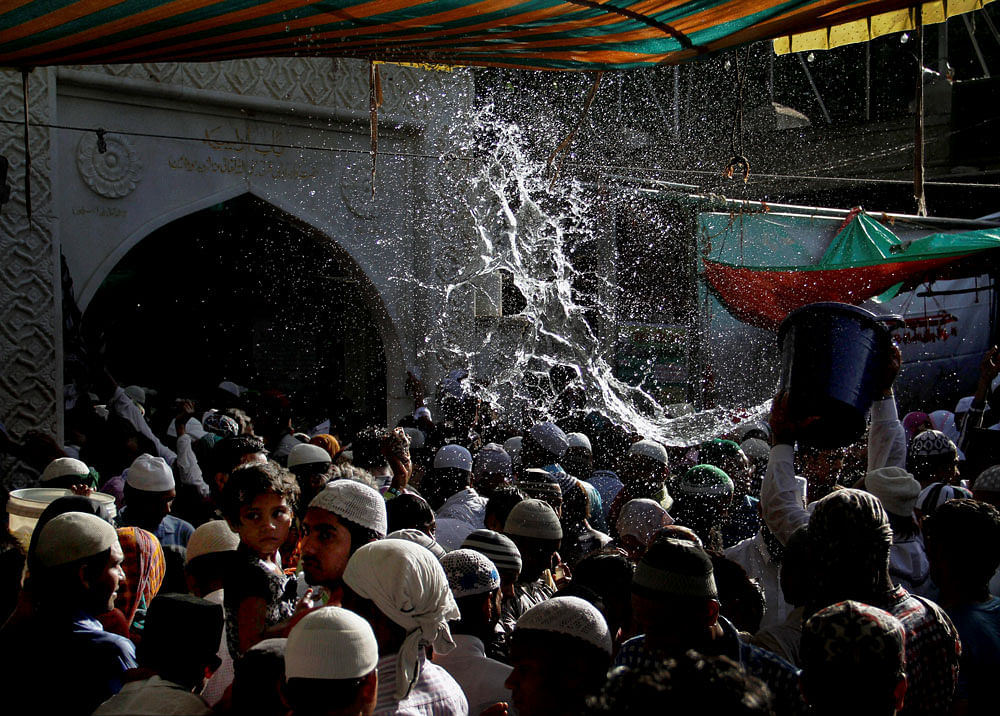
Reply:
x=407, y=584
x=849, y=534
x=850, y=638
x=144, y=567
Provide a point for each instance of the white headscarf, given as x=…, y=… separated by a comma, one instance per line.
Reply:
x=407, y=583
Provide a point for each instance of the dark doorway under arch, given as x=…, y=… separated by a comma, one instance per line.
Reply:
x=243, y=291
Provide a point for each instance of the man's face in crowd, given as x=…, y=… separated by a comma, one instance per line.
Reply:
x=533, y=690
x=325, y=547
x=102, y=587
x=147, y=509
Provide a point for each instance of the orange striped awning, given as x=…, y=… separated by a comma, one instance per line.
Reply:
x=539, y=34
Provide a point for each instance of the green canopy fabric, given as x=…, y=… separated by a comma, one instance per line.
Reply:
x=863, y=261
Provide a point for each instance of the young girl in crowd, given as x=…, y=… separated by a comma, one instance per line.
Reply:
x=258, y=501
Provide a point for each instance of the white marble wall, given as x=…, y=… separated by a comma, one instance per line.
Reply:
x=225, y=129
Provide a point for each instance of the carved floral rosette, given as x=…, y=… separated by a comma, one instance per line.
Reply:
x=113, y=173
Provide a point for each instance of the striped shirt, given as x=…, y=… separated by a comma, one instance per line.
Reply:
x=435, y=692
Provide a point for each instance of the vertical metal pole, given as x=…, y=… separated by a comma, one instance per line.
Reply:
x=868, y=80
x=27, y=147
x=770, y=74
x=975, y=45
x=677, y=100
x=918, y=140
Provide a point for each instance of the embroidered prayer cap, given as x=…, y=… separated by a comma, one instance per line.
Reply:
x=936, y=494
x=416, y=436
x=705, y=481
x=453, y=456
x=533, y=518
x=330, y=643
x=221, y=425
x=675, y=568
x=73, y=536
x=988, y=480
x=579, y=440
x=651, y=449
x=422, y=412
x=304, y=454
x=64, y=467
x=895, y=487
x=550, y=438
x=150, y=474
x=500, y=549
x=569, y=616
x=755, y=449
x=407, y=584
x=850, y=637
x=210, y=538
x=642, y=518
x=932, y=443
x=421, y=538
x=355, y=502
x=491, y=459
x=717, y=450
x=470, y=573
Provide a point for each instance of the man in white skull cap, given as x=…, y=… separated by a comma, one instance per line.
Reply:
x=330, y=661
x=449, y=489
x=560, y=652
x=644, y=475
x=543, y=446
x=343, y=517
x=535, y=528
x=492, y=468
x=149, y=494
x=67, y=472
x=475, y=584
x=76, y=577
x=401, y=589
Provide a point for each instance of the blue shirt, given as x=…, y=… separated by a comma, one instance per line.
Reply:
x=63, y=665
x=979, y=629
x=174, y=532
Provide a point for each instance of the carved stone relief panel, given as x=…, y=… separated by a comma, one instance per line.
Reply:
x=30, y=354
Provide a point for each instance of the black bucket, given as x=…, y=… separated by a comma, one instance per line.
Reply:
x=833, y=356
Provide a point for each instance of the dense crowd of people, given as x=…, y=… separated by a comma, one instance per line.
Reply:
x=231, y=555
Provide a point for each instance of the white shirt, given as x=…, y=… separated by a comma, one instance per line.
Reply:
x=223, y=676
x=752, y=554
x=123, y=406
x=779, y=494
x=465, y=505
x=154, y=697
x=480, y=677
x=186, y=467
x=435, y=692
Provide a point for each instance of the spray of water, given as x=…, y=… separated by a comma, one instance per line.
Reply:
x=524, y=223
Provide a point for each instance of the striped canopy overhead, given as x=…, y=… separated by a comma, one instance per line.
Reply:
x=539, y=34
